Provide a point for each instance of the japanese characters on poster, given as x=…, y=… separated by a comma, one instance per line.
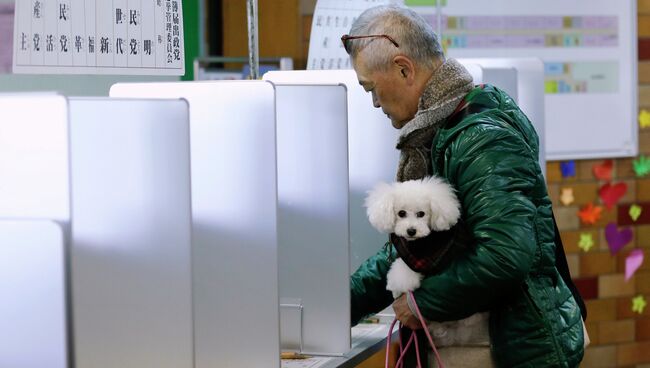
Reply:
x=333, y=19
x=99, y=37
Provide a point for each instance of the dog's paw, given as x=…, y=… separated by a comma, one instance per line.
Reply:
x=401, y=279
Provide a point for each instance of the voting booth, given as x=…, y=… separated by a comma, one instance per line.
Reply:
x=372, y=154
x=113, y=176
x=313, y=224
x=234, y=204
x=371, y=138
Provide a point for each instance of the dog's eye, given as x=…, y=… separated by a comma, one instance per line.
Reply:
x=420, y=214
x=401, y=213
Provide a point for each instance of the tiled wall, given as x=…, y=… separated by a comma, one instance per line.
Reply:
x=619, y=336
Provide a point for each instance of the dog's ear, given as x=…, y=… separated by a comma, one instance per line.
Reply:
x=380, y=208
x=445, y=208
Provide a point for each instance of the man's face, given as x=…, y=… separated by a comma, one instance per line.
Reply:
x=390, y=90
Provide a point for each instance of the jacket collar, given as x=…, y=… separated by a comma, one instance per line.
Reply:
x=444, y=91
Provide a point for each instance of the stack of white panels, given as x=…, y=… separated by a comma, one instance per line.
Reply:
x=115, y=176
x=234, y=208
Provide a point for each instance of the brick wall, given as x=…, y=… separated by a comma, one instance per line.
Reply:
x=619, y=336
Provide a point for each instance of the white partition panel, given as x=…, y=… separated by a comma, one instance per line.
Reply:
x=313, y=226
x=372, y=153
x=131, y=233
x=234, y=200
x=32, y=290
x=34, y=157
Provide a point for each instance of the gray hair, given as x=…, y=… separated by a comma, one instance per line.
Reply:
x=415, y=37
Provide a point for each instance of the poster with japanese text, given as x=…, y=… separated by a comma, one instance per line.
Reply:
x=129, y=37
x=332, y=19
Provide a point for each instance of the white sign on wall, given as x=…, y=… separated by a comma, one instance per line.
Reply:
x=99, y=37
x=332, y=19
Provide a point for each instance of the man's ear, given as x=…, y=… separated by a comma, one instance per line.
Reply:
x=405, y=67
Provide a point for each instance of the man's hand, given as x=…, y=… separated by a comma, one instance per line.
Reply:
x=404, y=315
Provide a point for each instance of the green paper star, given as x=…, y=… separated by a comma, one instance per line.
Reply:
x=635, y=212
x=586, y=241
x=638, y=304
x=642, y=166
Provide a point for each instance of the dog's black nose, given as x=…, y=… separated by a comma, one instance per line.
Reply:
x=411, y=232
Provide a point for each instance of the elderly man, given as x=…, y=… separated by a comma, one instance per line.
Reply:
x=479, y=140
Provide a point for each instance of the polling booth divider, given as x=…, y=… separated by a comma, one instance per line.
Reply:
x=313, y=219
x=372, y=140
x=372, y=155
x=234, y=205
x=34, y=157
x=131, y=233
x=115, y=175
x=32, y=288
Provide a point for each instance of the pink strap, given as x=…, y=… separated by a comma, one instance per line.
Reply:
x=426, y=330
x=413, y=338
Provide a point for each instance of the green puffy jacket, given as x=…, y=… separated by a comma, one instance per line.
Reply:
x=489, y=153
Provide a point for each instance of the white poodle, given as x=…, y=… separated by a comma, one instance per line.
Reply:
x=411, y=210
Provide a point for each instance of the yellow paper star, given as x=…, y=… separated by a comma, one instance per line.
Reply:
x=567, y=196
x=635, y=212
x=586, y=241
x=644, y=119
x=638, y=304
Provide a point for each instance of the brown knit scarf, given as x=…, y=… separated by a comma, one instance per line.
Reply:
x=444, y=91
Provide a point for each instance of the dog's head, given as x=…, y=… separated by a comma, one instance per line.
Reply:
x=412, y=209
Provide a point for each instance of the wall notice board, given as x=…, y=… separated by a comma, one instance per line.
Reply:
x=81, y=85
x=590, y=57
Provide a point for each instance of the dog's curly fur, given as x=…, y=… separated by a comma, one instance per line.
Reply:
x=411, y=209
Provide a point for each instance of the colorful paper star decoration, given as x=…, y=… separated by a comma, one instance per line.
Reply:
x=644, y=119
x=642, y=166
x=638, y=304
x=586, y=241
x=590, y=214
x=567, y=196
x=635, y=212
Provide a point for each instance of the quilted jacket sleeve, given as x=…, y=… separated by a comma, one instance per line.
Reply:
x=368, y=286
x=493, y=170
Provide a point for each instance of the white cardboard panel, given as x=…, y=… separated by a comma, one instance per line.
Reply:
x=372, y=153
x=32, y=285
x=131, y=233
x=313, y=225
x=234, y=201
x=34, y=156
